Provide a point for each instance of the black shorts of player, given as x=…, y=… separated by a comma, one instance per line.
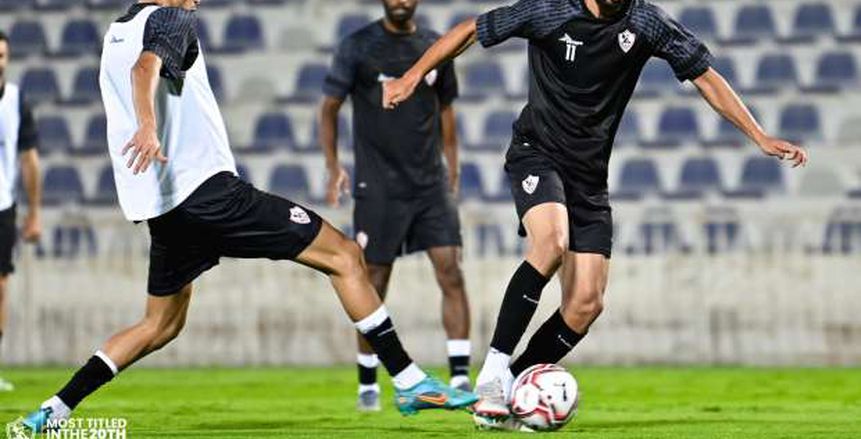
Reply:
x=387, y=227
x=224, y=217
x=8, y=237
x=535, y=180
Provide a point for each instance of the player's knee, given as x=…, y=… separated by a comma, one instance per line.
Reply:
x=550, y=246
x=450, y=277
x=587, y=306
x=348, y=260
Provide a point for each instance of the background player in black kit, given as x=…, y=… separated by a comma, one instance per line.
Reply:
x=404, y=201
x=585, y=59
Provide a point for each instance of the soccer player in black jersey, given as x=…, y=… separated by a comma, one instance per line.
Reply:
x=405, y=199
x=585, y=58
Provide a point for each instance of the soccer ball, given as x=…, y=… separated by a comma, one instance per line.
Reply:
x=544, y=397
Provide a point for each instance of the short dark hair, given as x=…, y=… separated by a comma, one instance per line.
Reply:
x=3, y=36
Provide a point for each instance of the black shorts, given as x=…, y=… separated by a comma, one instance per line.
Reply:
x=228, y=217
x=536, y=180
x=8, y=237
x=387, y=227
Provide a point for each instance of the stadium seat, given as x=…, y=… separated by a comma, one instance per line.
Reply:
x=242, y=33
x=628, y=132
x=726, y=67
x=677, y=125
x=62, y=184
x=243, y=172
x=96, y=138
x=753, y=23
x=471, y=186
x=86, y=87
x=700, y=20
x=483, y=79
x=657, y=78
x=106, y=189
x=836, y=70
x=722, y=235
x=309, y=83
x=491, y=240
x=811, y=21
x=204, y=36
x=760, y=176
x=699, y=176
x=27, y=37
x=15, y=5
x=854, y=34
x=56, y=5
x=775, y=72
x=80, y=37
x=290, y=181
x=39, y=86
x=54, y=134
x=215, y=81
x=639, y=177
x=114, y=5
x=350, y=23
x=273, y=130
x=345, y=136
x=800, y=123
x=496, y=134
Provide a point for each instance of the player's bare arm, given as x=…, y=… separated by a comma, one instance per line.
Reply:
x=450, y=147
x=452, y=44
x=725, y=101
x=32, y=180
x=145, y=145
x=339, y=181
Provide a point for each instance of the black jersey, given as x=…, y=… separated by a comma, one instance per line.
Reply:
x=583, y=71
x=398, y=153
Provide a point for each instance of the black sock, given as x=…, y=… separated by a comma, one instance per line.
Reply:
x=458, y=365
x=518, y=307
x=550, y=343
x=86, y=380
x=367, y=375
x=388, y=347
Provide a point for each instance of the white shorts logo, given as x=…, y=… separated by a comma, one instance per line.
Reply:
x=299, y=216
x=530, y=184
x=626, y=40
x=362, y=239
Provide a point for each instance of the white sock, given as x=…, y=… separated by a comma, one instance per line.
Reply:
x=372, y=321
x=110, y=363
x=369, y=387
x=507, y=382
x=370, y=361
x=458, y=348
x=409, y=377
x=458, y=380
x=495, y=365
x=59, y=408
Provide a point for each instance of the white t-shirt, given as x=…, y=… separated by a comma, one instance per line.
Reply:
x=10, y=123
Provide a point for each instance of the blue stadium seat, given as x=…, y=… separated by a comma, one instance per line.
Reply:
x=497, y=131
x=836, y=70
x=96, y=137
x=57, y=5
x=113, y=5
x=657, y=237
x=800, y=123
x=290, y=181
x=27, y=37
x=350, y=23
x=86, y=88
x=812, y=20
x=759, y=177
x=726, y=67
x=722, y=236
x=483, y=79
x=629, y=131
x=471, y=186
x=309, y=83
x=774, y=72
x=62, y=184
x=657, y=78
x=54, y=134
x=80, y=37
x=243, y=32
x=677, y=125
x=639, y=177
x=699, y=176
x=700, y=20
x=854, y=34
x=243, y=172
x=203, y=34
x=215, y=81
x=106, y=189
x=273, y=130
x=39, y=85
x=15, y=5
x=752, y=23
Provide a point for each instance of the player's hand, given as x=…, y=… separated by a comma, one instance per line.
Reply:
x=339, y=183
x=144, y=148
x=397, y=91
x=32, y=230
x=784, y=150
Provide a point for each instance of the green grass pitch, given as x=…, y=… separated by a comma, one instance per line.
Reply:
x=638, y=403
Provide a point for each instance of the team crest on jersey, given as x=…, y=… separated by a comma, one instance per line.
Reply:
x=626, y=40
x=571, y=46
x=530, y=183
x=299, y=216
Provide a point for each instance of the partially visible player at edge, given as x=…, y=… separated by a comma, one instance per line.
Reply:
x=585, y=59
x=18, y=144
x=178, y=174
x=404, y=201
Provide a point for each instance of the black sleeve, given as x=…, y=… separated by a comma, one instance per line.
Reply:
x=685, y=53
x=525, y=19
x=171, y=34
x=446, y=86
x=342, y=74
x=28, y=135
